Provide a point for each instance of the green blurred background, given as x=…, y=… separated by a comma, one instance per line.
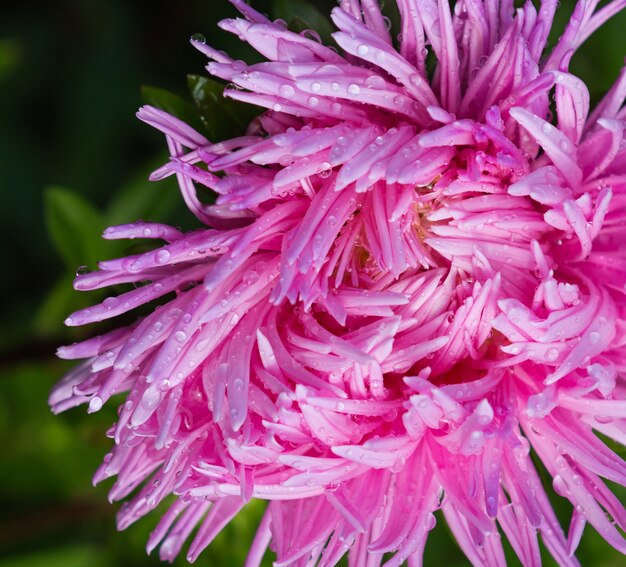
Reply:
x=73, y=159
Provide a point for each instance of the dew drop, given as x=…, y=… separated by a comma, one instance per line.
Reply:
x=110, y=302
x=354, y=89
x=250, y=277
x=552, y=354
x=362, y=50
x=198, y=38
x=316, y=87
x=180, y=336
x=286, y=90
x=95, y=404
x=162, y=256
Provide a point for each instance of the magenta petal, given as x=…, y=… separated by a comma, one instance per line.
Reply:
x=409, y=275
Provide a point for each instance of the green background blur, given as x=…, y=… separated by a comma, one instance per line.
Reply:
x=73, y=159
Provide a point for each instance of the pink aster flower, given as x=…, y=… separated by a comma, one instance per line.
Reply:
x=409, y=281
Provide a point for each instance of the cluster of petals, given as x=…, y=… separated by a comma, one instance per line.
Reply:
x=409, y=291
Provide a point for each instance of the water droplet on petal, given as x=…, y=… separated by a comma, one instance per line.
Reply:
x=198, y=38
x=286, y=90
x=95, y=404
x=162, y=256
x=416, y=79
x=110, y=302
x=552, y=354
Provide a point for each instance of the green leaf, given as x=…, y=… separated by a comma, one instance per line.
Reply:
x=298, y=25
x=173, y=104
x=74, y=226
x=142, y=199
x=73, y=555
x=223, y=118
x=10, y=57
x=61, y=300
x=391, y=11
x=613, y=445
x=309, y=17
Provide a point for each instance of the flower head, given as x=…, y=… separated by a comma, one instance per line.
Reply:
x=413, y=276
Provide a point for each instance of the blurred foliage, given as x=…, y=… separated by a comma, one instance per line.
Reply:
x=73, y=159
x=302, y=15
x=223, y=118
x=173, y=104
